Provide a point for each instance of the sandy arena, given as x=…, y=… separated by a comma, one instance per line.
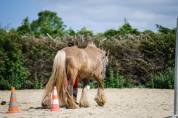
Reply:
x=121, y=103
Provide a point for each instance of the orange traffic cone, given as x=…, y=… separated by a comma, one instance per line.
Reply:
x=54, y=101
x=13, y=108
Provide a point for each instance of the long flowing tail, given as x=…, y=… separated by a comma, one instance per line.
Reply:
x=58, y=79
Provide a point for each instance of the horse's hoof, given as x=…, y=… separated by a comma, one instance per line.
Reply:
x=73, y=106
x=100, y=101
x=84, y=104
x=45, y=106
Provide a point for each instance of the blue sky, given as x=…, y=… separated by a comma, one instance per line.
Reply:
x=97, y=15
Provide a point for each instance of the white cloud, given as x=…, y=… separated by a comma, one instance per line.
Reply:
x=100, y=15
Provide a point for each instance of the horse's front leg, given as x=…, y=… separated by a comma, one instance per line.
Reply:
x=100, y=97
x=83, y=100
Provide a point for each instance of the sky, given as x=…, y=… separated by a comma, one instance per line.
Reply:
x=96, y=15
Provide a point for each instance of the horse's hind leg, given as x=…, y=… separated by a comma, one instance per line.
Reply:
x=46, y=102
x=75, y=90
x=70, y=98
x=83, y=100
x=100, y=97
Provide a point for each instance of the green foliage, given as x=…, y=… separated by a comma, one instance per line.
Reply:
x=110, y=33
x=48, y=23
x=148, y=32
x=85, y=32
x=26, y=61
x=164, y=79
x=93, y=84
x=12, y=71
x=127, y=29
x=39, y=55
x=165, y=30
x=2, y=33
x=25, y=28
x=37, y=84
x=122, y=31
x=161, y=45
x=70, y=32
x=117, y=81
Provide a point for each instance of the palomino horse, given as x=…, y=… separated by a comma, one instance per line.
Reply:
x=74, y=64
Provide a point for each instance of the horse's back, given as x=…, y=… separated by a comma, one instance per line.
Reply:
x=85, y=60
x=75, y=57
x=92, y=54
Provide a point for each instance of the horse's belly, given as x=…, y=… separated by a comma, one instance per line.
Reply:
x=84, y=75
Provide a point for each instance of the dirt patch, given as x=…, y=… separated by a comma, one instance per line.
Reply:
x=121, y=103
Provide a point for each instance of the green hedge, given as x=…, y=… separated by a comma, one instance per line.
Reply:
x=26, y=61
x=163, y=79
x=12, y=70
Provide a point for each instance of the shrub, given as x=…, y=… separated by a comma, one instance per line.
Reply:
x=164, y=79
x=117, y=81
x=160, y=46
x=135, y=57
x=12, y=71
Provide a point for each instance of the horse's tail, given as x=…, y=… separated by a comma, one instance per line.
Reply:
x=58, y=77
x=59, y=74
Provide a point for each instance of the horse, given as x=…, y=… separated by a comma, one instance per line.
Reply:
x=73, y=64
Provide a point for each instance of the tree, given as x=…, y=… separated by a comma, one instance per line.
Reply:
x=70, y=32
x=127, y=29
x=110, y=33
x=25, y=27
x=85, y=32
x=165, y=30
x=48, y=23
x=148, y=31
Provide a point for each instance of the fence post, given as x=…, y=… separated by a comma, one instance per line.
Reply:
x=176, y=77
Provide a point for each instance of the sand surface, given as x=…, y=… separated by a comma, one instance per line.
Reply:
x=121, y=103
